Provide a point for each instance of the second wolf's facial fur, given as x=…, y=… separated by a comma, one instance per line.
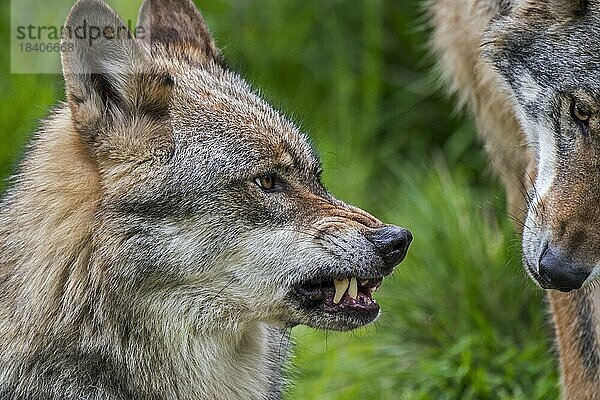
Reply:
x=547, y=54
x=214, y=196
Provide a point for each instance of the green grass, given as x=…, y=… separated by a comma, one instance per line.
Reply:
x=460, y=319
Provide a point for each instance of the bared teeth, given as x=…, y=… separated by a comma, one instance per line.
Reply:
x=353, y=289
x=341, y=285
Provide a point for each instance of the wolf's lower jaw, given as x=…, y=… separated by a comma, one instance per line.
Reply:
x=343, y=304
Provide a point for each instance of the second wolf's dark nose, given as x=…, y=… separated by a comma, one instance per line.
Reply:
x=392, y=243
x=560, y=272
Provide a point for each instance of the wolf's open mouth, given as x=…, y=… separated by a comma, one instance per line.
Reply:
x=350, y=297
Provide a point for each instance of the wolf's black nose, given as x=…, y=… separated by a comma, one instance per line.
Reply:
x=392, y=242
x=560, y=272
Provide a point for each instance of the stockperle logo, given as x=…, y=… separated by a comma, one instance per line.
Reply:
x=39, y=34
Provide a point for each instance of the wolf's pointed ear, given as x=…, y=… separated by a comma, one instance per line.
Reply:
x=178, y=26
x=99, y=56
x=107, y=72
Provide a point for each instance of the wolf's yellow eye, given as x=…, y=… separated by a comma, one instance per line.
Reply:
x=265, y=182
x=579, y=113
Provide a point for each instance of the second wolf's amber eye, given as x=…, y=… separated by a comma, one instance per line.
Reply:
x=579, y=113
x=266, y=182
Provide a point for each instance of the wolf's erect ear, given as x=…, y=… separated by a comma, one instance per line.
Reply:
x=99, y=55
x=107, y=72
x=178, y=26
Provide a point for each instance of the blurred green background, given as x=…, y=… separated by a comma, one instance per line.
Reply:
x=460, y=318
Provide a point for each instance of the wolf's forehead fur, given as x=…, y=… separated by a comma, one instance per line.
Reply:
x=546, y=53
x=548, y=43
x=542, y=38
x=209, y=127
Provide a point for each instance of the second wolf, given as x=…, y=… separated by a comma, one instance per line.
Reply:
x=166, y=225
x=530, y=72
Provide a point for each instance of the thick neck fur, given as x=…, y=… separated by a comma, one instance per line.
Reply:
x=61, y=338
x=577, y=323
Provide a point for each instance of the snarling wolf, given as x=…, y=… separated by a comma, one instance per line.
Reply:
x=167, y=226
x=530, y=72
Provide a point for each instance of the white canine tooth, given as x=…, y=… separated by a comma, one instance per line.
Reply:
x=364, y=282
x=353, y=289
x=340, y=288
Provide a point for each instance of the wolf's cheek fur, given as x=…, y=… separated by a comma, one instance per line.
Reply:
x=251, y=268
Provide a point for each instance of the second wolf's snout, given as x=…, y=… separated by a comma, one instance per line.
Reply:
x=392, y=243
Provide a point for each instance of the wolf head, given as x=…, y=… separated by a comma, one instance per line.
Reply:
x=211, y=204
x=548, y=55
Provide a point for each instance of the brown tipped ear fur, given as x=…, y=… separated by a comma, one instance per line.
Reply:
x=177, y=24
x=548, y=10
x=568, y=8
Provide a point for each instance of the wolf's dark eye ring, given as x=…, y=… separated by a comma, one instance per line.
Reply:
x=265, y=182
x=579, y=113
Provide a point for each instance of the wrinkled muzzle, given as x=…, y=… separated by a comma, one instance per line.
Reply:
x=357, y=252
